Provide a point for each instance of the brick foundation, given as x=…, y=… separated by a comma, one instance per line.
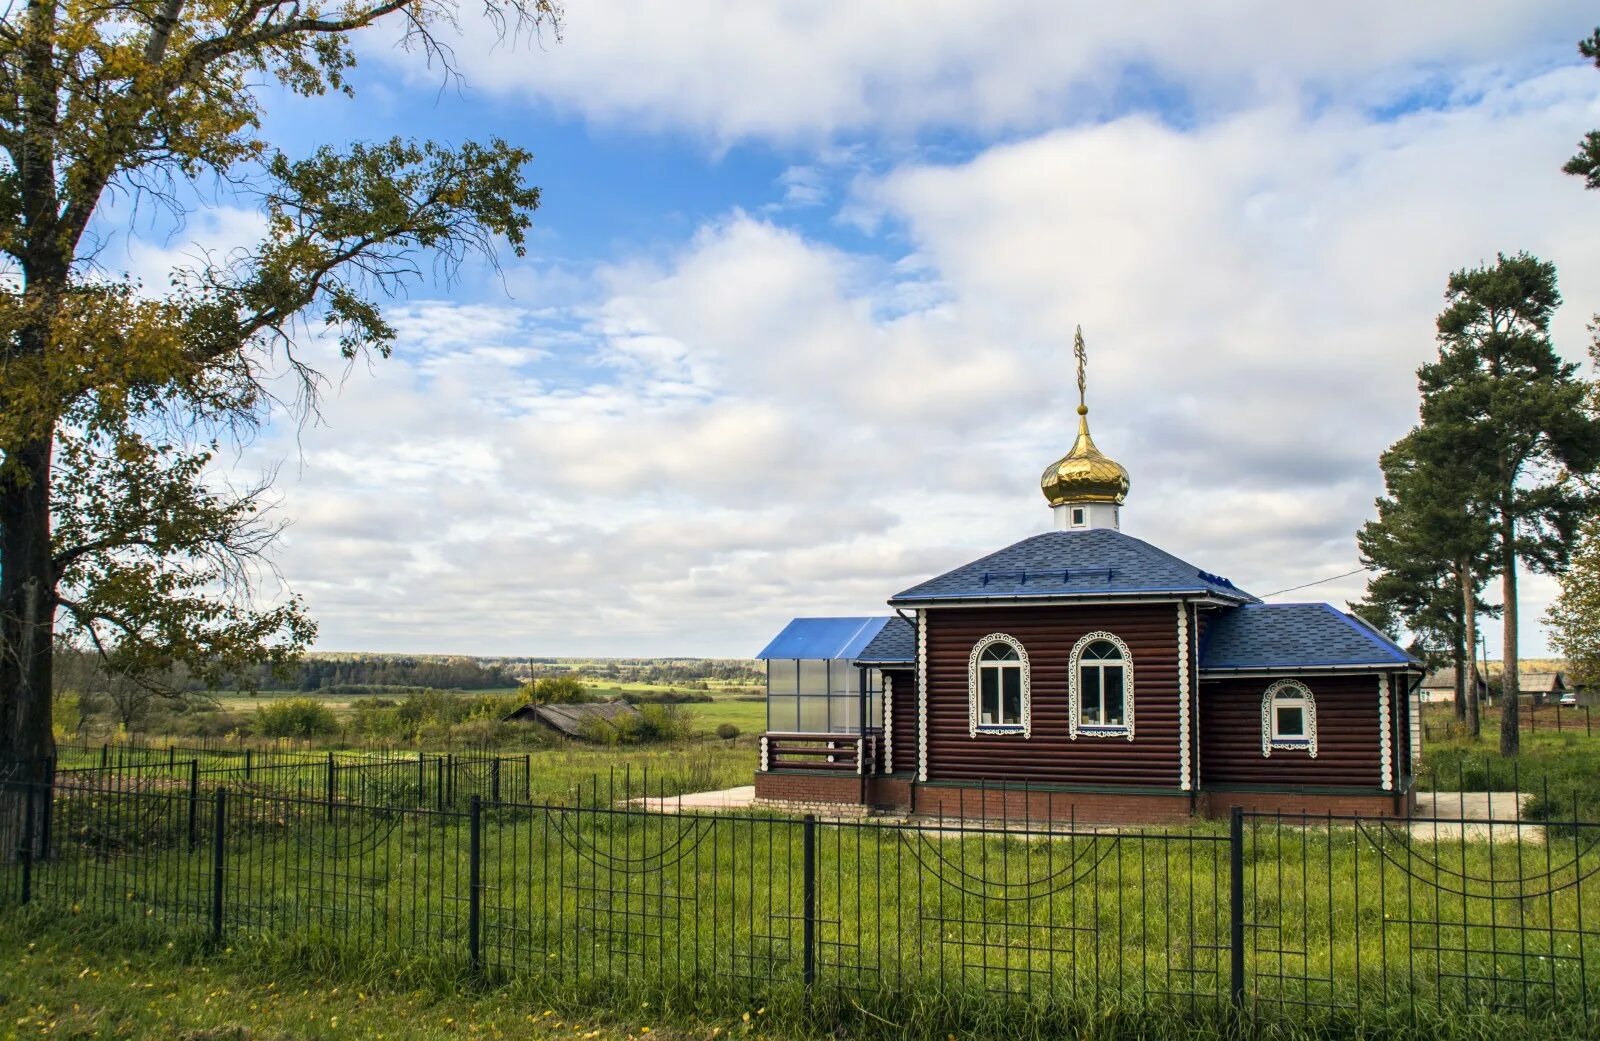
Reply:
x=952, y=801
x=1218, y=804
x=835, y=794
x=840, y=794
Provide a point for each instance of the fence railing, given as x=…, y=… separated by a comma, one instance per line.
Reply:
x=1274, y=915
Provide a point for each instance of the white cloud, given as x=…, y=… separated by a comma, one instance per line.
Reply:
x=799, y=70
x=761, y=424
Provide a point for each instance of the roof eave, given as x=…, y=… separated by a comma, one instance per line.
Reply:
x=1202, y=595
x=1216, y=671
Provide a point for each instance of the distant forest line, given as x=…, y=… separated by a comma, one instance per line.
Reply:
x=462, y=672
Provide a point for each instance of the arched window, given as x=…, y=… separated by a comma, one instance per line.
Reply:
x=997, y=687
x=1102, y=688
x=1289, y=718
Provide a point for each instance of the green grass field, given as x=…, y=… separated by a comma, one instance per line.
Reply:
x=76, y=984
x=924, y=929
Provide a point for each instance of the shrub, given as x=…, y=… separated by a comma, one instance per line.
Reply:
x=557, y=690
x=727, y=731
x=295, y=717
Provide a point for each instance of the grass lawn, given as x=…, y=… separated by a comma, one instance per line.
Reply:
x=749, y=716
x=57, y=983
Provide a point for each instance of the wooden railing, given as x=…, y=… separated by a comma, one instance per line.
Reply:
x=835, y=753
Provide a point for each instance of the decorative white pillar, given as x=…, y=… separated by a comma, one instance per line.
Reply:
x=922, y=695
x=1385, y=747
x=1183, y=698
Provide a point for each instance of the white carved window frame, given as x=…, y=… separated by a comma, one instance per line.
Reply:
x=1288, y=691
x=974, y=728
x=1075, y=727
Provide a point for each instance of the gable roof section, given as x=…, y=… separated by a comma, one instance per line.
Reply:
x=1297, y=636
x=572, y=720
x=1445, y=679
x=895, y=643
x=1072, y=565
x=824, y=638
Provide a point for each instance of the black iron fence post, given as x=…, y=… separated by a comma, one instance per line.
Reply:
x=25, y=851
x=332, y=785
x=808, y=927
x=219, y=825
x=247, y=764
x=474, y=884
x=49, y=806
x=527, y=777
x=194, y=803
x=494, y=780
x=1236, y=907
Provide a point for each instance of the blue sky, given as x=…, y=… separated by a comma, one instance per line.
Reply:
x=793, y=329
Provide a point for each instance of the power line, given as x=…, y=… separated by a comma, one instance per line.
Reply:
x=1318, y=582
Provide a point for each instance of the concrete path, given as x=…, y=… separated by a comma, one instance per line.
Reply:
x=1451, y=816
x=739, y=798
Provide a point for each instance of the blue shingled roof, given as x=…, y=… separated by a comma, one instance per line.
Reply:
x=896, y=642
x=1072, y=564
x=824, y=638
x=1296, y=636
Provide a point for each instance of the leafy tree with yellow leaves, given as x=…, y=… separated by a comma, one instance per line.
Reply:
x=115, y=396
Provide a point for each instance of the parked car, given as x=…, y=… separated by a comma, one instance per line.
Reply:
x=1570, y=698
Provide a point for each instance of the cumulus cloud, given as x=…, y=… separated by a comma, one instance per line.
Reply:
x=678, y=451
x=798, y=70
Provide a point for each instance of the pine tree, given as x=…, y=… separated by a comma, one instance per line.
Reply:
x=1432, y=550
x=1513, y=413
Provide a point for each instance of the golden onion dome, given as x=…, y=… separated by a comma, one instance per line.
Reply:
x=1084, y=474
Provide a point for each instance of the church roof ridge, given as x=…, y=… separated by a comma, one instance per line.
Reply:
x=1097, y=562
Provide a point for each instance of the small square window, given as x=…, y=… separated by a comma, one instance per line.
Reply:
x=1077, y=516
x=1291, y=721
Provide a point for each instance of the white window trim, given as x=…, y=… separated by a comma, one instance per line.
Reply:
x=974, y=728
x=1269, y=718
x=1075, y=728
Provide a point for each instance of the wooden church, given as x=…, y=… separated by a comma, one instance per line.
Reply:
x=1083, y=673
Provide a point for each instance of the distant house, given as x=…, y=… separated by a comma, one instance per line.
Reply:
x=1440, y=685
x=576, y=721
x=1544, y=686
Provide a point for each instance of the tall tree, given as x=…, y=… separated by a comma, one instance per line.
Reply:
x=113, y=395
x=1517, y=412
x=1432, y=550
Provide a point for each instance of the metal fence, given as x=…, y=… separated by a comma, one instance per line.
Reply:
x=1270, y=915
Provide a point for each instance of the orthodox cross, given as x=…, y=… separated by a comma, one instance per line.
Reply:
x=1083, y=362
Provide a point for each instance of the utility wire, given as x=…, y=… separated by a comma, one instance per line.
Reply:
x=1318, y=582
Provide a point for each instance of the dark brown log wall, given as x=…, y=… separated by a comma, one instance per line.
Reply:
x=1347, y=735
x=1050, y=755
x=905, y=719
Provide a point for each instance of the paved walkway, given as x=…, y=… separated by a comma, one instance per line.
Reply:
x=726, y=799
x=1450, y=816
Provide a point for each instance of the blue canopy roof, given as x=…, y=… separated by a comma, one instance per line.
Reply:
x=824, y=638
x=1296, y=636
x=1066, y=565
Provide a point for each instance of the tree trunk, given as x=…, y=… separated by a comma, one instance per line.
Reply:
x=1510, y=737
x=27, y=627
x=1461, y=696
x=1469, y=632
